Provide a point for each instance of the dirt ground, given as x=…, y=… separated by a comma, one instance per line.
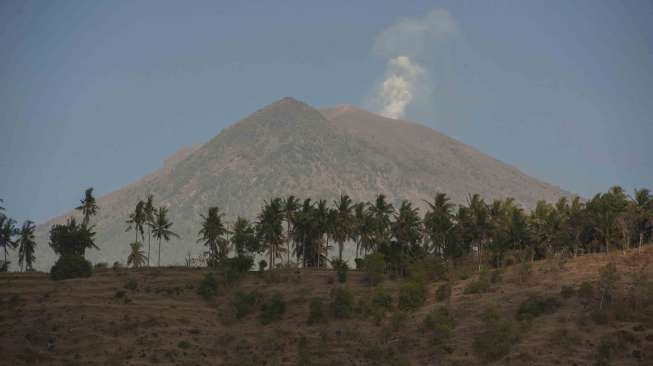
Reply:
x=162, y=320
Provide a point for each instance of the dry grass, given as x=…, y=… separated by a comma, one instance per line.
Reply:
x=165, y=321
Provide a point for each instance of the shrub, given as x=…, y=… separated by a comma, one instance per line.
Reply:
x=233, y=269
x=183, y=345
x=316, y=312
x=567, y=292
x=131, y=284
x=208, y=287
x=479, y=286
x=71, y=266
x=412, y=295
x=101, y=265
x=585, y=293
x=496, y=337
x=536, y=305
x=359, y=263
x=272, y=309
x=441, y=322
x=243, y=303
x=116, y=266
x=443, y=293
x=341, y=268
x=428, y=269
x=608, y=277
x=4, y=266
x=381, y=301
x=342, y=303
x=262, y=264
x=374, y=265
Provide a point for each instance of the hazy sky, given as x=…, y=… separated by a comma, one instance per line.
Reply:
x=99, y=93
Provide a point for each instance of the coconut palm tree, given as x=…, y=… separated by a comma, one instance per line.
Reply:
x=149, y=211
x=211, y=234
x=343, y=223
x=244, y=238
x=136, y=257
x=270, y=228
x=7, y=232
x=381, y=211
x=324, y=220
x=88, y=206
x=137, y=219
x=407, y=227
x=439, y=223
x=26, y=245
x=161, y=228
x=290, y=206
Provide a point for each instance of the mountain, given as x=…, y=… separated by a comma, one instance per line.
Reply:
x=289, y=147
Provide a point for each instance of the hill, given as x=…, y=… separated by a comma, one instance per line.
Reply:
x=155, y=316
x=289, y=147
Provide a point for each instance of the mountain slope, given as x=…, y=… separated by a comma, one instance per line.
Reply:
x=289, y=147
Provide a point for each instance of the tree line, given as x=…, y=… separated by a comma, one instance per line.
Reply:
x=303, y=231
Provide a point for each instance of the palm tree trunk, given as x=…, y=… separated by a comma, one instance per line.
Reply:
x=288, y=241
x=641, y=239
x=340, y=251
x=159, y=262
x=149, y=238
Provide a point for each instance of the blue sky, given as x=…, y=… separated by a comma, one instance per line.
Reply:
x=98, y=94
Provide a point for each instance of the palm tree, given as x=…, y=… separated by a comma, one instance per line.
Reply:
x=26, y=245
x=270, y=228
x=211, y=234
x=137, y=219
x=161, y=228
x=88, y=206
x=149, y=211
x=7, y=232
x=438, y=223
x=244, y=238
x=136, y=257
x=290, y=207
x=324, y=220
x=381, y=211
x=343, y=223
x=407, y=227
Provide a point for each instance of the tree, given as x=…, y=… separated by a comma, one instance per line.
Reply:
x=7, y=232
x=88, y=206
x=161, y=228
x=324, y=219
x=244, y=238
x=290, y=207
x=149, y=210
x=439, y=224
x=475, y=225
x=26, y=245
x=270, y=229
x=381, y=211
x=136, y=257
x=137, y=219
x=407, y=227
x=643, y=211
x=71, y=238
x=211, y=234
x=344, y=222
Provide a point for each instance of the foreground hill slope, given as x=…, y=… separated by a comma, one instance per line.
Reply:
x=289, y=147
x=138, y=317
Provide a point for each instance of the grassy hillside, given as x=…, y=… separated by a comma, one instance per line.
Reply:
x=138, y=317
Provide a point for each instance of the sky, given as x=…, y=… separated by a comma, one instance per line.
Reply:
x=100, y=93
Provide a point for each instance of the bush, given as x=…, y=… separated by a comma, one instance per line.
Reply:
x=131, y=284
x=567, y=292
x=71, y=266
x=273, y=309
x=585, y=293
x=261, y=265
x=441, y=322
x=341, y=268
x=116, y=266
x=443, y=293
x=496, y=337
x=412, y=295
x=343, y=303
x=233, y=269
x=381, y=301
x=4, y=266
x=243, y=303
x=316, y=312
x=208, y=287
x=608, y=277
x=101, y=265
x=536, y=305
x=374, y=265
x=428, y=269
x=481, y=285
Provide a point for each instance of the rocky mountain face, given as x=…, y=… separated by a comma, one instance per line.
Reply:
x=289, y=147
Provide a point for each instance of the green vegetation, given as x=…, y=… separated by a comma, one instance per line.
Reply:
x=496, y=338
x=443, y=292
x=440, y=323
x=71, y=266
x=342, y=303
x=412, y=295
x=244, y=303
x=341, y=268
x=537, y=305
x=208, y=287
x=317, y=312
x=272, y=309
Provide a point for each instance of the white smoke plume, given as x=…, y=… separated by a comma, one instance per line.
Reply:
x=409, y=43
